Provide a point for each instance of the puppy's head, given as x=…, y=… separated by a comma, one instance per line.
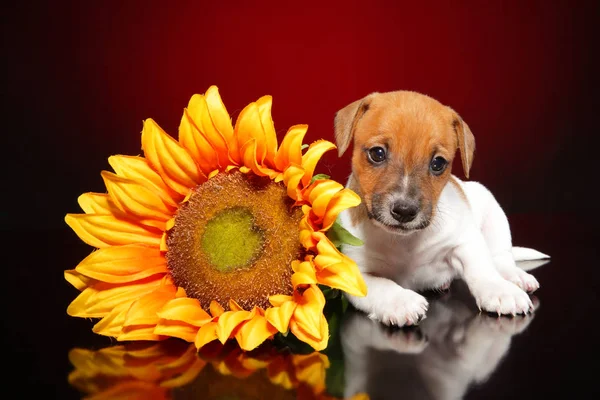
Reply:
x=404, y=146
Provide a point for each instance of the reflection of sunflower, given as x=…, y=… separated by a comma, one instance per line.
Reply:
x=218, y=235
x=174, y=370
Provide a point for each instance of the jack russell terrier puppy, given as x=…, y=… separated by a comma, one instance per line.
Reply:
x=421, y=226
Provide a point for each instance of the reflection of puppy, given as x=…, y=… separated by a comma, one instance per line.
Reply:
x=422, y=226
x=454, y=347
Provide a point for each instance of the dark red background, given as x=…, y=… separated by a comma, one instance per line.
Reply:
x=82, y=77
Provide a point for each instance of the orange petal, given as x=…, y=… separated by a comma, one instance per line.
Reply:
x=96, y=203
x=199, y=147
x=139, y=332
x=304, y=273
x=264, y=109
x=78, y=280
x=112, y=323
x=101, y=299
x=307, y=238
x=312, y=157
x=230, y=320
x=176, y=329
x=136, y=198
x=279, y=299
x=309, y=311
x=249, y=157
x=318, y=342
x=166, y=156
x=341, y=201
x=143, y=311
x=206, y=334
x=290, y=150
x=186, y=310
x=215, y=309
x=139, y=170
x=254, y=332
x=106, y=230
x=291, y=178
x=280, y=316
x=222, y=121
x=320, y=194
x=120, y=264
x=248, y=127
x=343, y=276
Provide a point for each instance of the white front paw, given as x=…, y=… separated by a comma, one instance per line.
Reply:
x=400, y=308
x=502, y=297
x=522, y=279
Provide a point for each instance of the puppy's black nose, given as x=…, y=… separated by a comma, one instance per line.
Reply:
x=403, y=211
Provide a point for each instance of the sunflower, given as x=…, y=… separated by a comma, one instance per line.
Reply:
x=221, y=234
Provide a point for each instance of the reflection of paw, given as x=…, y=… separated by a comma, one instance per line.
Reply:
x=506, y=325
x=403, y=307
x=502, y=297
x=522, y=279
x=410, y=340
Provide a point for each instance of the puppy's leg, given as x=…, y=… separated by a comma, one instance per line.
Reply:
x=496, y=231
x=492, y=292
x=389, y=303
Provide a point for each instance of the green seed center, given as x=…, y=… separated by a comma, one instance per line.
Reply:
x=231, y=239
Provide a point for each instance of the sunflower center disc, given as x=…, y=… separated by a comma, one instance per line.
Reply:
x=231, y=240
x=235, y=238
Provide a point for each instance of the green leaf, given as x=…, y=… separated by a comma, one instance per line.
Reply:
x=339, y=236
x=319, y=176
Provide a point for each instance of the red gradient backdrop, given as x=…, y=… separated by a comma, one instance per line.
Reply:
x=83, y=76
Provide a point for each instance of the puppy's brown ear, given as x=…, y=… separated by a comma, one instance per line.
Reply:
x=345, y=122
x=466, y=143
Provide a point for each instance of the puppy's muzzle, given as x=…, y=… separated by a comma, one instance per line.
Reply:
x=404, y=211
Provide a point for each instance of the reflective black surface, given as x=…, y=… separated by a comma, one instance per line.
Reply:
x=456, y=352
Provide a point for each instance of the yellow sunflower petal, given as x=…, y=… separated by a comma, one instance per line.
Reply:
x=112, y=323
x=336, y=269
x=139, y=170
x=206, y=334
x=312, y=157
x=320, y=194
x=318, y=342
x=176, y=329
x=143, y=311
x=249, y=127
x=249, y=157
x=120, y=264
x=254, y=332
x=307, y=238
x=222, y=121
x=309, y=311
x=106, y=230
x=134, y=198
x=186, y=310
x=230, y=320
x=279, y=299
x=290, y=150
x=291, y=178
x=167, y=157
x=264, y=109
x=199, y=146
x=304, y=273
x=280, y=316
x=99, y=300
x=216, y=309
x=139, y=332
x=96, y=203
x=78, y=280
x=341, y=201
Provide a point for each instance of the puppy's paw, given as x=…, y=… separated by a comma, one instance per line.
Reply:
x=401, y=308
x=502, y=297
x=406, y=341
x=522, y=279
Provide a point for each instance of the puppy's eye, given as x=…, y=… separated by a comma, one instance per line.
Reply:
x=438, y=165
x=377, y=155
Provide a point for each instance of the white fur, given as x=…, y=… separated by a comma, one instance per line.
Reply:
x=469, y=240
